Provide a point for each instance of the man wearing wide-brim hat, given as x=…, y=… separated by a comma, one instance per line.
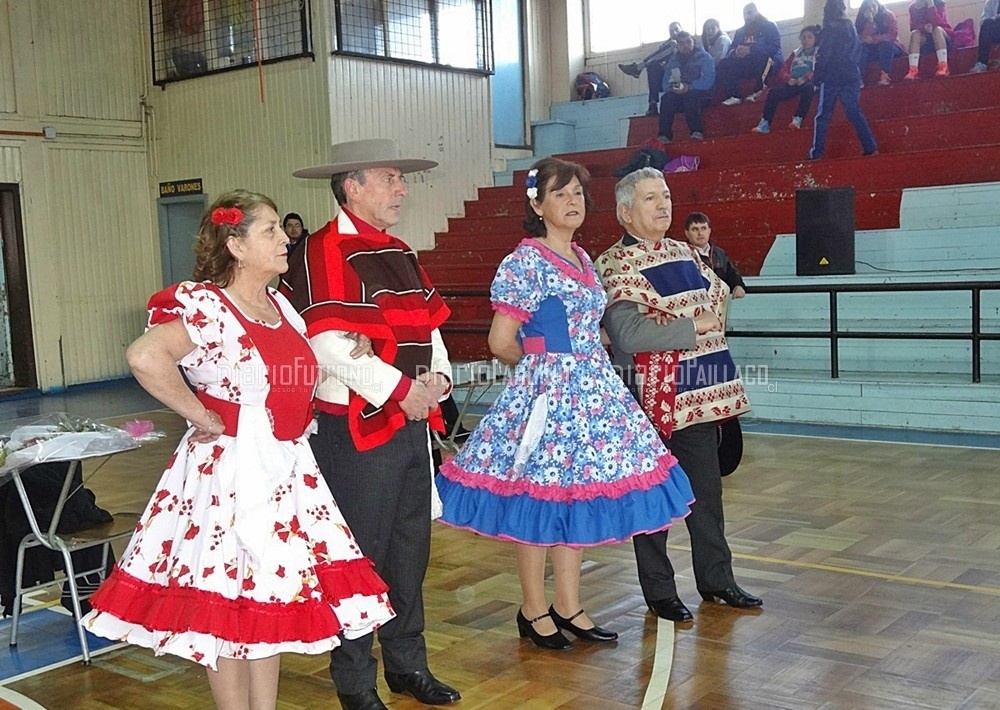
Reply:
x=352, y=281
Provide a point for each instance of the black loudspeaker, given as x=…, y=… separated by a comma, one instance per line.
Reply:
x=824, y=231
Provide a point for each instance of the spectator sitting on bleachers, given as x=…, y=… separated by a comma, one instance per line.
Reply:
x=879, y=35
x=756, y=51
x=687, y=85
x=929, y=29
x=654, y=64
x=714, y=40
x=794, y=81
x=989, y=34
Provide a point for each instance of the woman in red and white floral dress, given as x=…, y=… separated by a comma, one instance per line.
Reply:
x=242, y=553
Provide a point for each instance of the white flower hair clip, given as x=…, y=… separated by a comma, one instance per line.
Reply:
x=532, y=184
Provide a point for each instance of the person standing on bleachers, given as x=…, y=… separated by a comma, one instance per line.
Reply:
x=929, y=29
x=989, y=34
x=838, y=78
x=655, y=64
x=756, y=51
x=879, y=34
x=687, y=87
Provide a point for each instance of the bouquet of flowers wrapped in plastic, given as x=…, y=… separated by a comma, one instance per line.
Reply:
x=62, y=436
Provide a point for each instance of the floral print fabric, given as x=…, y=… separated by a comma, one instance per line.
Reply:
x=565, y=455
x=241, y=551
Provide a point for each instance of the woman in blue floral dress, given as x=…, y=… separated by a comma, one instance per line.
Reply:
x=565, y=458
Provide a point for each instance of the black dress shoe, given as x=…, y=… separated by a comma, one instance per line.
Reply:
x=365, y=700
x=733, y=596
x=553, y=642
x=631, y=69
x=671, y=609
x=423, y=686
x=594, y=633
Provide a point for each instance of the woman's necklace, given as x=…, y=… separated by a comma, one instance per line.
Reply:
x=264, y=312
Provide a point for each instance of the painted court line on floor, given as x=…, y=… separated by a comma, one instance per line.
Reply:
x=663, y=660
x=940, y=584
x=8, y=698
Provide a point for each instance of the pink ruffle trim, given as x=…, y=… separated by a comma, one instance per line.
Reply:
x=561, y=494
x=515, y=313
x=588, y=276
x=181, y=609
x=609, y=541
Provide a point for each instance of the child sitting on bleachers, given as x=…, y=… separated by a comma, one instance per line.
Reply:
x=794, y=81
x=929, y=29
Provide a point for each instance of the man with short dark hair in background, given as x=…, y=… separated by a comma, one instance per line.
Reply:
x=687, y=86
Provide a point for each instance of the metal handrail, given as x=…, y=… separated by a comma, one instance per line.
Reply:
x=835, y=334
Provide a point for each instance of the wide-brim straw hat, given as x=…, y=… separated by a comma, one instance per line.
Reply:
x=364, y=155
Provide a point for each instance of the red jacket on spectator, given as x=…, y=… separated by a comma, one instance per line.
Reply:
x=785, y=73
x=869, y=33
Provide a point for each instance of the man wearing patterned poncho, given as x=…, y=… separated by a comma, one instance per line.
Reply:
x=663, y=321
x=354, y=282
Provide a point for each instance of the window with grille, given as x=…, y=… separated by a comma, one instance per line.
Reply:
x=447, y=33
x=613, y=25
x=192, y=38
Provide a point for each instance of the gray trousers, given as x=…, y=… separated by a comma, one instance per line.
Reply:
x=696, y=448
x=384, y=495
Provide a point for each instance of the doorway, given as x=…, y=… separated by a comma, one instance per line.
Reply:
x=179, y=218
x=17, y=349
x=507, y=86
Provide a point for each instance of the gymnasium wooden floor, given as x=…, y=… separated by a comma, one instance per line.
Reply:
x=879, y=565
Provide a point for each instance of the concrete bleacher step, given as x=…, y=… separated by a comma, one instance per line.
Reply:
x=757, y=213
x=742, y=187
x=896, y=135
x=874, y=209
x=936, y=406
x=737, y=182
x=469, y=255
x=961, y=236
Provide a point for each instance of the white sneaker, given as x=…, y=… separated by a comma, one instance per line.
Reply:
x=978, y=68
x=796, y=122
x=754, y=96
x=731, y=101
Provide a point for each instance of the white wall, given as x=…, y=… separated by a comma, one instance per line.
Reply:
x=89, y=195
x=216, y=127
x=435, y=114
x=91, y=259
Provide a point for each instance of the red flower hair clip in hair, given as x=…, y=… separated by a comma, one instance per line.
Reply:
x=227, y=215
